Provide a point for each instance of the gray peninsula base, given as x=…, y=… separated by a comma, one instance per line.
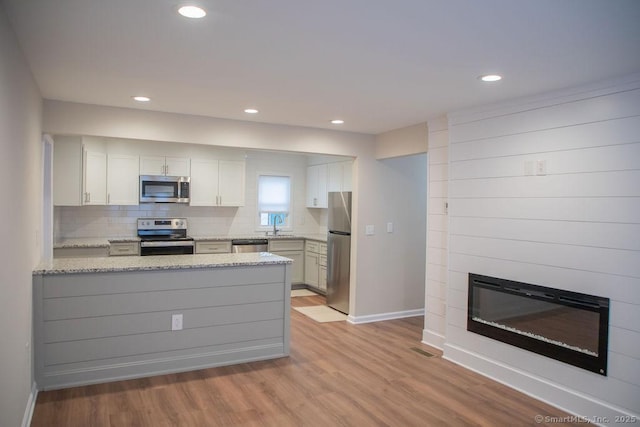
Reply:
x=104, y=326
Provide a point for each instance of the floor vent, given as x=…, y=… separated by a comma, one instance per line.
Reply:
x=421, y=351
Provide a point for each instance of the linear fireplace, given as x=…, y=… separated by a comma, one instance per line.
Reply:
x=566, y=326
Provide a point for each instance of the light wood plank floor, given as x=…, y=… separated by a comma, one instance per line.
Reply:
x=338, y=374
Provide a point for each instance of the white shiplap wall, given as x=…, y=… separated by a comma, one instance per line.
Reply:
x=575, y=227
x=437, y=226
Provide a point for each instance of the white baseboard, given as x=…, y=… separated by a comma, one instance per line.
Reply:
x=568, y=400
x=433, y=339
x=385, y=316
x=31, y=405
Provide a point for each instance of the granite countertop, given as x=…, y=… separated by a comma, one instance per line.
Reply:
x=159, y=262
x=97, y=242
x=93, y=242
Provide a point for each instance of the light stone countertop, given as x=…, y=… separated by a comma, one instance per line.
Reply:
x=158, y=262
x=97, y=242
x=92, y=242
x=318, y=237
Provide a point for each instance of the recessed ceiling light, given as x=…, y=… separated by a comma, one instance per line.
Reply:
x=141, y=98
x=337, y=122
x=192, y=12
x=251, y=111
x=491, y=78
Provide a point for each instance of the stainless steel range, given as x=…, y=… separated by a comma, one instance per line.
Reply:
x=164, y=236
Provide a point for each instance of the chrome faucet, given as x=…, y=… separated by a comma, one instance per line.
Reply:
x=275, y=223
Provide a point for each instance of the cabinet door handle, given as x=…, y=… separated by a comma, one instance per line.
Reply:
x=88, y=197
x=108, y=199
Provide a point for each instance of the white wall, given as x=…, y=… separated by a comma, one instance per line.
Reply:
x=437, y=234
x=392, y=279
x=405, y=141
x=575, y=227
x=20, y=213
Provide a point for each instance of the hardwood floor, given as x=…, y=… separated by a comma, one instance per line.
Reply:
x=338, y=374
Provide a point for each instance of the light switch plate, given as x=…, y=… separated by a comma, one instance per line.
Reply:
x=389, y=227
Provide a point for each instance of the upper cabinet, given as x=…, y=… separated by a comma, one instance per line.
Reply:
x=160, y=165
x=94, y=182
x=339, y=176
x=217, y=183
x=67, y=171
x=317, y=186
x=123, y=179
x=322, y=179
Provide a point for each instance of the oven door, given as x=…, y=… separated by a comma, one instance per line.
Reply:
x=163, y=247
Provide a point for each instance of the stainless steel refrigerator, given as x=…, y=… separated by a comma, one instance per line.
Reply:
x=339, y=250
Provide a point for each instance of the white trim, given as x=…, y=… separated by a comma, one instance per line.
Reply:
x=433, y=339
x=356, y=320
x=541, y=389
x=31, y=405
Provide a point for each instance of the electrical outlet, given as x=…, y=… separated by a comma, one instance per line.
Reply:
x=176, y=322
x=369, y=230
x=541, y=167
x=389, y=227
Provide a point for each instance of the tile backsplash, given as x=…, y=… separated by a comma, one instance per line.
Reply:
x=121, y=221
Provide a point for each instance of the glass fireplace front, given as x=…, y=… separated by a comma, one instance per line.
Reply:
x=567, y=326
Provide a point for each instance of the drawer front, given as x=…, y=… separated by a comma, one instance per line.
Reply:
x=310, y=246
x=286, y=245
x=122, y=249
x=323, y=261
x=213, y=247
x=323, y=249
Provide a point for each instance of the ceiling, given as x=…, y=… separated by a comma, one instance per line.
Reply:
x=377, y=64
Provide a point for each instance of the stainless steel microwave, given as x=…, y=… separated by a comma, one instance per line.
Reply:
x=164, y=189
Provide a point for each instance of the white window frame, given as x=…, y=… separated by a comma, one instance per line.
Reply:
x=289, y=224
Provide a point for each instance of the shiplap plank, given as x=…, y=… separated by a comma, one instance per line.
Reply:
x=105, y=348
x=107, y=305
x=141, y=323
x=596, y=134
x=143, y=281
x=603, y=235
x=598, y=184
x=599, y=260
x=438, y=156
x=600, y=159
x=601, y=108
x=597, y=209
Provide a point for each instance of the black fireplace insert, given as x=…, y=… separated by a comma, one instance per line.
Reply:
x=567, y=326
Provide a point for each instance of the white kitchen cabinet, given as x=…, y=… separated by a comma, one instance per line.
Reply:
x=339, y=176
x=217, y=183
x=231, y=182
x=312, y=264
x=161, y=165
x=94, y=182
x=315, y=267
x=317, y=186
x=122, y=179
x=293, y=249
x=67, y=171
x=213, y=246
x=124, y=248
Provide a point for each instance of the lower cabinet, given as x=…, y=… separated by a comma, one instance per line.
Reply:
x=124, y=248
x=213, y=246
x=81, y=252
x=315, y=272
x=293, y=249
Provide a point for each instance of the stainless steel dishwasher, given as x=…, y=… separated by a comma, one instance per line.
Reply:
x=249, y=245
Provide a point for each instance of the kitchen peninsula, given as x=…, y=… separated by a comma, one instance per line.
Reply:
x=111, y=318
